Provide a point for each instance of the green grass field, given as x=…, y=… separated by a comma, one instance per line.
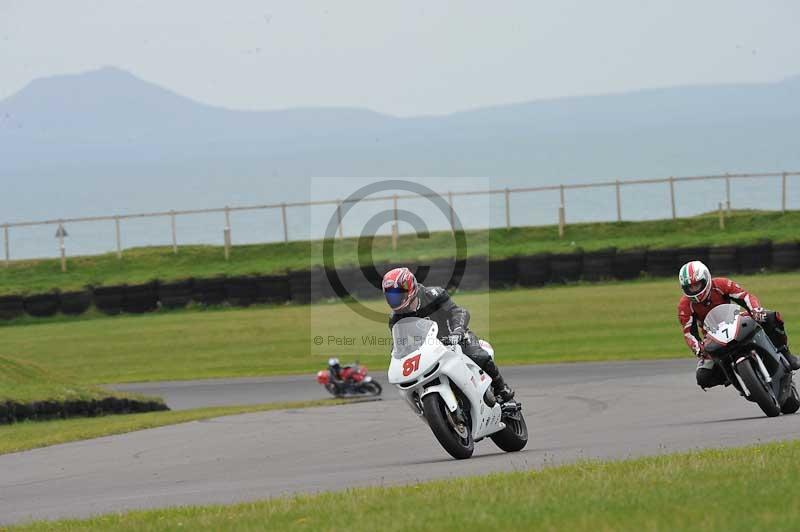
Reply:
x=615, y=321
x=33, y=434
x=750, y=488
x=23, y=382
x=143, y=264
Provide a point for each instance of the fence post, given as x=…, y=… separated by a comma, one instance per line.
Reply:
x=619, y=203
x=508, y=209
x=395, y=228
x=285, y=226
x=6, y=245
x=174, y=232
x=452, y=212
x=61, y=247
x=728, y=193
x=561, y=222
x=783, y=192
x=721, y=217
x=119, y=239
x=672, y=196
x=227, y=232
x=339, y=218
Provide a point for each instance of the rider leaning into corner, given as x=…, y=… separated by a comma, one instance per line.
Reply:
x=407, y=298
x=701, y=293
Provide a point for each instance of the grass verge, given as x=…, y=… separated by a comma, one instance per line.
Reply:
x=31, y=434
x=144, y=264
x=614, y=321
x=748, y=488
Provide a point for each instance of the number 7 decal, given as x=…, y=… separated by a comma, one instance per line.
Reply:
x=410, y=365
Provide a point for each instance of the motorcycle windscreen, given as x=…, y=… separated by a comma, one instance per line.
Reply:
x=722, y=322
x=409, y=335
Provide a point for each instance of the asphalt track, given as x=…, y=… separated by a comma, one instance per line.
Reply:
x=577, y=411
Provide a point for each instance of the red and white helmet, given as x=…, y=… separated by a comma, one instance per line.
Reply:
x=400, y=288
x=695, y=279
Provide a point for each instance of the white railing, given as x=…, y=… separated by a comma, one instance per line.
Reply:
x=507, y=193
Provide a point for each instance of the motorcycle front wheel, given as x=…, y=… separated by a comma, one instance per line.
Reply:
x=457, y=442
x=759, y=391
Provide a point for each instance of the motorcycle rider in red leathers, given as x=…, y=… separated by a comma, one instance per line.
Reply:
x=407, y=298
x=701, y=293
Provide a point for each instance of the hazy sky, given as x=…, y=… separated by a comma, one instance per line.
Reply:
x=403, y=58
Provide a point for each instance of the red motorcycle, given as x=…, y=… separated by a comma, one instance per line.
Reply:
x=353, y=382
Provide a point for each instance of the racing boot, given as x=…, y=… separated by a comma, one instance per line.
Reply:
x=794, y=362
x=502, y=391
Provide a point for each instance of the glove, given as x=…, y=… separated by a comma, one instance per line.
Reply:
x=759, y=314
x=453, y=339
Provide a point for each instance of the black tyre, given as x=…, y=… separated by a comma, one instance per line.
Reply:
x=334, y=391
x=460, y=446
x=792, y=403
x=372, y=388
x=514, y=437
x=759, y=392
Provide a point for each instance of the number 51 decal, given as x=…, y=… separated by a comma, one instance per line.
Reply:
x=410, y=365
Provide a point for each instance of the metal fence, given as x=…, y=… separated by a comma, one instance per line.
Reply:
x=505, y=193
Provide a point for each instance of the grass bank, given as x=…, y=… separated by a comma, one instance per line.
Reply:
x=30, y=434
x=144, y=264
x=614, y=321
x=30, y=392
x=748, y=488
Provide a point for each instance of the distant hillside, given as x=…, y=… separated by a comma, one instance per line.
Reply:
x=71, y=136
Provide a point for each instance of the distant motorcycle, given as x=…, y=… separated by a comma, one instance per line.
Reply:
x=450, y=392
x=750, y=361
x=354, y=382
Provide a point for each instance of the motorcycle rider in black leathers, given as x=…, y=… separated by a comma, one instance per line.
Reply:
x=408, y=298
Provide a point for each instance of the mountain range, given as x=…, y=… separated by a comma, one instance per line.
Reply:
x=109, y=130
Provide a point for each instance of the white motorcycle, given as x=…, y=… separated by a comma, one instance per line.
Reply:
x=450, y=392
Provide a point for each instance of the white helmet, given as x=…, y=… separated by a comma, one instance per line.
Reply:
x=695, y=279
x=333, y=361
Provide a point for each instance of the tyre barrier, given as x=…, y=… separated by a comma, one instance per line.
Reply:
x=208, y=292
x=700, y=253
x=662, y=262
x=300, y=286
x=599, y=265
x=140, y=298
x=108, y=299
x=723, y=260
x=75, y=303
x=42, y=305
x=306, y=286
x=630, y=263
x=503, y=273
x=241, y=291
x=566, y=267
x=476, y=273
x=176, y=294
x=786, y=256
x=14, y=412
x=533, y=270
x=11, y=307
x=753, y=258
x=273, y=288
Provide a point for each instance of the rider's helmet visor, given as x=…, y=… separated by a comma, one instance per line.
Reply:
x=396, y=297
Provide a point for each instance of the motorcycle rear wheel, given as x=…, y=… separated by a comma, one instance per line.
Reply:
x=792, y=403
x=514, y=437
x=458, y=447
x=372, y=388
x=759, y=392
